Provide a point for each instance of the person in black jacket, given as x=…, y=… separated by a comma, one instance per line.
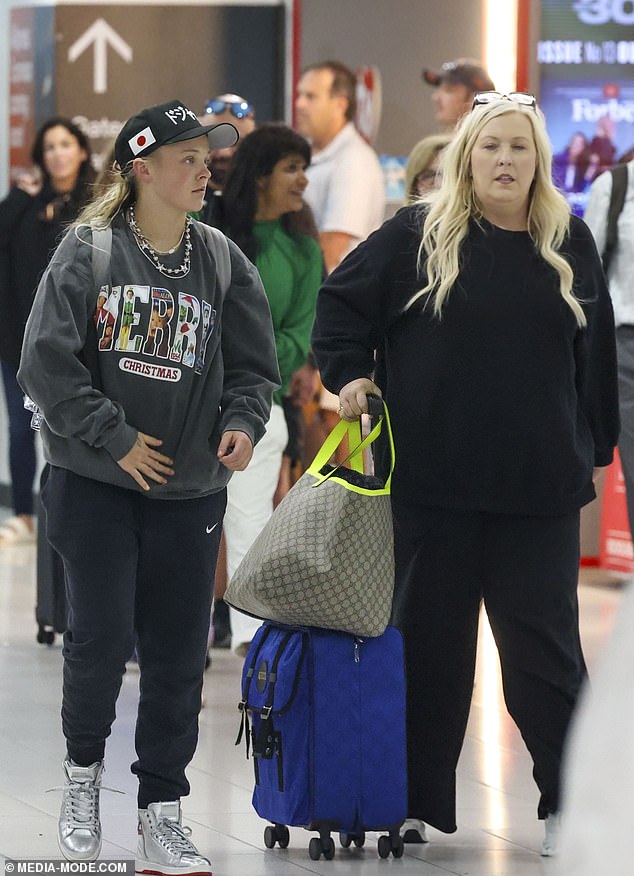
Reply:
x=32, y=217
x=498, y=365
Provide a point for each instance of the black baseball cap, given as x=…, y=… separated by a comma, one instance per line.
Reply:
x=463, y=71
x=166, y=123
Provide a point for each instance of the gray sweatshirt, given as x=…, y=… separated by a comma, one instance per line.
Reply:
x=172, y=358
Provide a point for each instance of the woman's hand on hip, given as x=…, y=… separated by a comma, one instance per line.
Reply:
x=235, y=450
x=142, y=460
x=353, y=399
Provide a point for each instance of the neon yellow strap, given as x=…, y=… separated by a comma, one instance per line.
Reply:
x=353, y=430
x=332, y=442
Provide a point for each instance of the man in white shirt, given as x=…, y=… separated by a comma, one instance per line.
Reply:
x=346, y=190
x=620, y=284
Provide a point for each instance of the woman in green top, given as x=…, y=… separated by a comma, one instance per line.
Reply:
x=264, y=213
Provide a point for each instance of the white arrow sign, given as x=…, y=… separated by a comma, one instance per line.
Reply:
x=101, y=34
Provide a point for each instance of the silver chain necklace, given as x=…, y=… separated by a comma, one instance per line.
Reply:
x=154, y=257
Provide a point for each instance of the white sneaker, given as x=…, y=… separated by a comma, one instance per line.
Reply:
x=164, y=846
x=79, y=829
x=413, y=830
x=552, y=825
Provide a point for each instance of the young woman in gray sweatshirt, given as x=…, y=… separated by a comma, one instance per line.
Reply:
x=154, y=384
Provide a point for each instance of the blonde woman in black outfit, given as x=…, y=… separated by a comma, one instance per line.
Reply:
x=499, y=370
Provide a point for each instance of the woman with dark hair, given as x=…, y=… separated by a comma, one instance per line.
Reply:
x=570, y=166
x=244, y=196
x=32, y=217
x=265, y=214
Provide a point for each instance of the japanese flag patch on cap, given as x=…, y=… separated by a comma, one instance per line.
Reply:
x=142, y=140
x=162, y=125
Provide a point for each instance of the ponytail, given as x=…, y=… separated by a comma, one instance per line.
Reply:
x=119, y=194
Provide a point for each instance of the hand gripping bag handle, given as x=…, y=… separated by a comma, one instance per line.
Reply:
x=353, y=431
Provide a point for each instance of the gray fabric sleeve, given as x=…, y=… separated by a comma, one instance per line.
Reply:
x=251, y=374
x=51, y=372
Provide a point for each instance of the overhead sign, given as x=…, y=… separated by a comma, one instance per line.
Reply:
x=100, y=35
x=107, y=68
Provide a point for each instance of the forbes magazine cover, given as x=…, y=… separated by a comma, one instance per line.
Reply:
x=590, y=127
x=586, y=70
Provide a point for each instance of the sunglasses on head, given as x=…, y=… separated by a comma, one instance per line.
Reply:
x=238, y=108
x=521, y=97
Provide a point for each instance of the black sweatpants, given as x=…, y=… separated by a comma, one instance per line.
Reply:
x=139, y=571
x=526, y=571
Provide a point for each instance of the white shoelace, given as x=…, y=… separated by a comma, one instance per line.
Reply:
x=173, y=837
x=81, y=804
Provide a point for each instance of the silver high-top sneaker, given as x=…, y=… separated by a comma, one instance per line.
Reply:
x=79, y=828
x=164, y=844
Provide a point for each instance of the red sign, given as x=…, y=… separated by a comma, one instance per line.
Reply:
x=368, y=94
x=615, y=551
x=21, y=90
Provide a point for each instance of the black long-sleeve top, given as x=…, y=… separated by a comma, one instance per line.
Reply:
x=504, y=404
x=30, y=229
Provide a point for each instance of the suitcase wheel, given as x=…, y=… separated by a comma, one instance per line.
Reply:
x=321, y=845
x=392, y=844
x=346, y=839
x=276, y=833
x=45, y=636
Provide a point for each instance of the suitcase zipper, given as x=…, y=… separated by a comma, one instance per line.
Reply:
x=357, y=815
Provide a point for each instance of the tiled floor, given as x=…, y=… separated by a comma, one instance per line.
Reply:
x=498, y=832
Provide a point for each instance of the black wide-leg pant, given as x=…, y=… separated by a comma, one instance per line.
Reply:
x=139, y=572
x=526, y=571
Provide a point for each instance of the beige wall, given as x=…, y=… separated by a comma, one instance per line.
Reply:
x=400, y=37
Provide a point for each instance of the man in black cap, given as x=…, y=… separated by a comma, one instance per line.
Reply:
x=455, y=85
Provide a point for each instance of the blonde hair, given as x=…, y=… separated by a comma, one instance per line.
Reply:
x=116, y=191
x=419, y=159
x=455, y=203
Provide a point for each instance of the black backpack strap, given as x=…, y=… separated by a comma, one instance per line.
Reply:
x=264, y=740
x=617, y=200
x=243, y=705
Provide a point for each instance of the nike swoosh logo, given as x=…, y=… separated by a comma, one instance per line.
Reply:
x=211, y=528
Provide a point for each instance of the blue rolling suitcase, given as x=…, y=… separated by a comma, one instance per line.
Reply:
x=324, y=715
